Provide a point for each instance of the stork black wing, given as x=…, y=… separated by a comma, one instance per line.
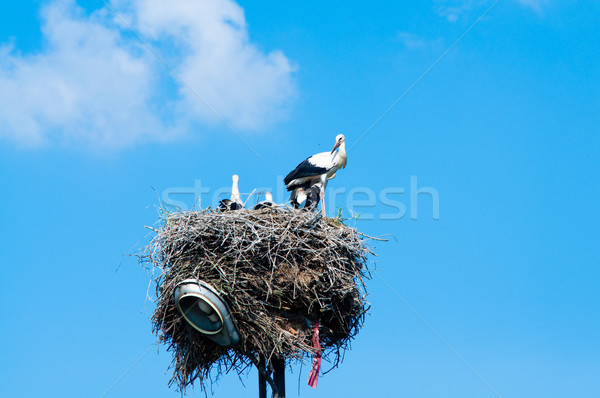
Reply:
x=304, y=169
x=226, y=205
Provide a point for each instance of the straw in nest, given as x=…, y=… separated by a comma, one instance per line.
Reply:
x=280, y=272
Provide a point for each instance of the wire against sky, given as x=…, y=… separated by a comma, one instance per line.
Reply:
x=409, y=89
x=128, y=370
x=436, y=334
x=177, y=76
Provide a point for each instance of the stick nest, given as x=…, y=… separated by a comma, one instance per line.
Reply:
x=280, y=271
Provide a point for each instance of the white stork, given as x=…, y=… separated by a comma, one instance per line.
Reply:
x=235, y=203
x=316, y=171
x=267, y=203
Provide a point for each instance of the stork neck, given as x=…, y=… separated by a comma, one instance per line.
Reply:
x=340, y=156
x=235, y=192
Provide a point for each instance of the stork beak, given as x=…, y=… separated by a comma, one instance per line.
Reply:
x=337, y=144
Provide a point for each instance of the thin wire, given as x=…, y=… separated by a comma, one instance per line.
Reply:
x=437, y=61
x=436, y=334
x=177, y=76
x=128, y=370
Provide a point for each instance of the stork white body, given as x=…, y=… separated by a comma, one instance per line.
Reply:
x=316, y=171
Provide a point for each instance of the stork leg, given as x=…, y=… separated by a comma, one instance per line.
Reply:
x=322, y=196
x=322, y=193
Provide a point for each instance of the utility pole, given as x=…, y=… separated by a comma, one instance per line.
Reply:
x=262, y=381
x=276, y=379
x=279, y=377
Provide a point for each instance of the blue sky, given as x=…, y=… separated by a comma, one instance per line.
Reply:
x=95, y=128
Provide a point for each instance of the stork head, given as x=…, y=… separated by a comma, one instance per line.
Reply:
x=268, y=196
x=235, y=178
x=339, y=140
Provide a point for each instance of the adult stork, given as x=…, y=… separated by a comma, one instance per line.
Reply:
x=235, y=203
x=316, y=171
x=265, y=204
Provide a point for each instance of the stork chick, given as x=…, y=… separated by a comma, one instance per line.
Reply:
x=234, y=203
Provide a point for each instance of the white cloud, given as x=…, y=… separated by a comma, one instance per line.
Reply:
x=536, y=5
x=95, y=83
x=415, y=42
x=224, y=68
x=455, y=10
